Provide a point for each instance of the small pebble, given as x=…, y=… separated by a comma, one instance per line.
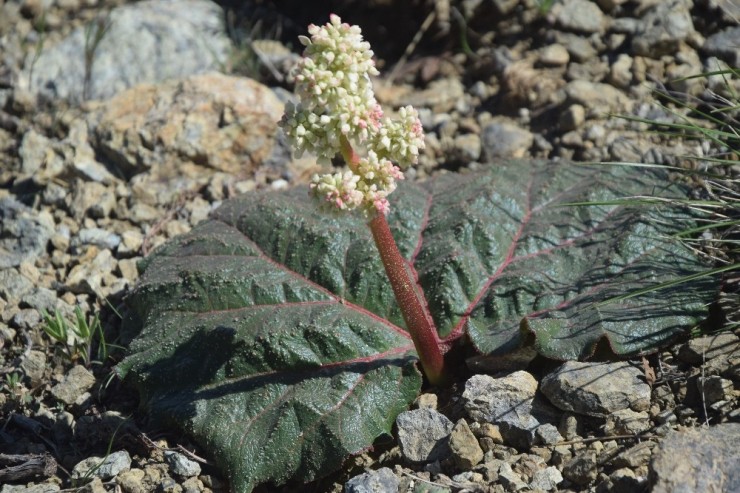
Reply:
x=181, y=465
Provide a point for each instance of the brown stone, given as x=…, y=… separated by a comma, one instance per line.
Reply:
x=465, y=449
x=189, y=127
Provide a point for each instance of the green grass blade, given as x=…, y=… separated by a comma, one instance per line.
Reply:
x=700, y=229
x=82, y=328
x=634, y=201
x=671, y=283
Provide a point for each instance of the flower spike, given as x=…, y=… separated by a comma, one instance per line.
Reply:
x=338, y=111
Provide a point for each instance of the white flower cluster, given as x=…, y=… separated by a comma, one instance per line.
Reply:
x=366, y=186
x=338, y=108
x=400, y=140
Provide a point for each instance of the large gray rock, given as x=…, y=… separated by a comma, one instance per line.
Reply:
x=663, y=28
x=423, y=435
x=700, y=459
x=507, y=402
x=725, y=45
x=381, y=481
x=597, y=389
x=147, y=41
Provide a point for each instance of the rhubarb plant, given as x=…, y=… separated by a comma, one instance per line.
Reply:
x=286, y=333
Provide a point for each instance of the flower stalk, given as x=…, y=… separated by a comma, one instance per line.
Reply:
x=411, y=300
x=409, y=296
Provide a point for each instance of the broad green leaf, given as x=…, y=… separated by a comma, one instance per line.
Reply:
x=270, y=333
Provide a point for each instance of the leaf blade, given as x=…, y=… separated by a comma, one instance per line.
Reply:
x=294, y=350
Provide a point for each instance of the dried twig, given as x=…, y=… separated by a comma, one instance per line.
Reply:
x=608, y=437
x=410, y=48
x=23, y=467
x=150, y=443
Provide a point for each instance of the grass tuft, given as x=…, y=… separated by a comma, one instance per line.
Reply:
x=77, y=336
x=712, y=122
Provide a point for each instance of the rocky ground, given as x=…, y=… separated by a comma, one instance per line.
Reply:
x=123, y=124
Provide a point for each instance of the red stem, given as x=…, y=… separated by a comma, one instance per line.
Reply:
x=411, y=300
x=348, y=153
